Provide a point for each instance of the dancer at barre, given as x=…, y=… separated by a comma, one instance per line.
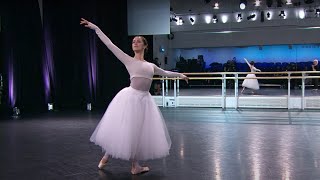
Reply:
x=132, y=127
x=251, y=83
x=315, y=67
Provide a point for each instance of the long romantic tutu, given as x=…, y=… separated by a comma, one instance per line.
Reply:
x=133, y=127
x=251, y=83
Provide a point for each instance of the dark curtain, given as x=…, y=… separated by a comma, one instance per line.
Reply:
x=22, y=44
x=49, y=62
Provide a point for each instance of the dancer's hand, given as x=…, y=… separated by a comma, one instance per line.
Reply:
x=88, y=24
x=184, y=78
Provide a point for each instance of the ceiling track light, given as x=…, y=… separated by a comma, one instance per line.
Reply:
x=239, y=17
x=214, y=19
x=252, y=16
x=282, y=14
x=257, y=3
x=243, y=4
x=268, y=15
x=216, y=5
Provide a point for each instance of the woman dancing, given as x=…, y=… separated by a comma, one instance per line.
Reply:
x=132, y=127
x=251, y=83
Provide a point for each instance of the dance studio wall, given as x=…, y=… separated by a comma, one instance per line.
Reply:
x=275, y=53
x=47, y=56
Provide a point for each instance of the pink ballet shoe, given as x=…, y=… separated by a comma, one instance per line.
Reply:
x=140, y=170
x=102, y=165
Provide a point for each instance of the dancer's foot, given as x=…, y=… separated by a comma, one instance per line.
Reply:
x=139, y=170
x=103, y=162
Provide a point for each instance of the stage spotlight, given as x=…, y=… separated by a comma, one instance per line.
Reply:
x=302, y=14
x=216, y=6
x=180, y=21
x=257, y=3
x=207, y=19
x=16, y=111
x=268, y=15
x=239, y=17
x=282, y=15
x=173, y=19
x=317, y=12
x=224, y=18
x=89, y=107
x=192, y=20
x=50, y=106
x=289, y=2
x=243, y=4
x=214, y=19
x=251, y=17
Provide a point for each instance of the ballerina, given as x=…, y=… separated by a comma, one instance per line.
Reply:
x=251, y=83
x=132, y=127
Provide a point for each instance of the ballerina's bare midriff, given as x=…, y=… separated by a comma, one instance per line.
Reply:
x=140, y=83
x=141, y=72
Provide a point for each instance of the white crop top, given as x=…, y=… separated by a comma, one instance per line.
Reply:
x=141, y=72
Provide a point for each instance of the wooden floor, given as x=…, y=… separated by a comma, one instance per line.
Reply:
x=206, y=144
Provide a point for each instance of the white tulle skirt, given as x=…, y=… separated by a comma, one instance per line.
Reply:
x=133, y=127
x=251, y=83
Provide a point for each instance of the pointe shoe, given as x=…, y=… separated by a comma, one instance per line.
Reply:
x=102, y=165
x=140, y=170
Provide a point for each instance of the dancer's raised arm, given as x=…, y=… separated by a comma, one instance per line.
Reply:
x=123, y=57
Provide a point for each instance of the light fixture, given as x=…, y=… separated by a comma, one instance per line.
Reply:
x=302, y=14
x=243, y=4
x=318, y=12
x=180, y=21
x=50, y=106
x=289, y=2
x=192, y=20
x=282, y=15
x=239, y=17
x=224, y=18
x=257, y=3
x=174, y=19
x=89, y=107
x=268, y=15
x=16, y=111
x=214, y=19
x=251, y=17
x=216, y=5
x=208, y=19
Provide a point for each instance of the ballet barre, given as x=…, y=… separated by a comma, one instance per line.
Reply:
x=236, y=76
